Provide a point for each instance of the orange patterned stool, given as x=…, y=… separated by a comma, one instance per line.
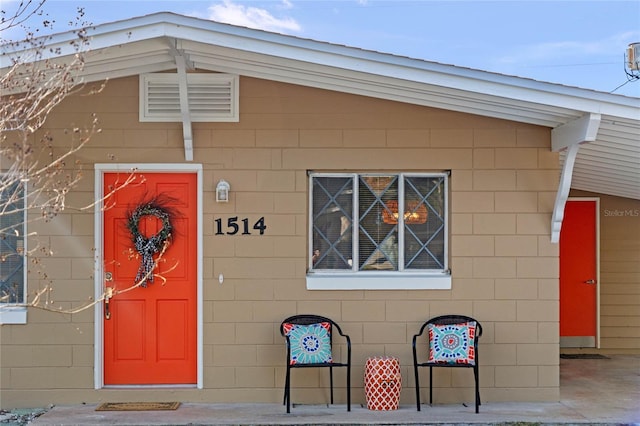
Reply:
x=382, y=383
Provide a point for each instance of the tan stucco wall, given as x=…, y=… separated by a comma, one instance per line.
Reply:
x=619, y=273
x=505, y=270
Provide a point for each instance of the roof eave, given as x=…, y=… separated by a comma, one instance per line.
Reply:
x=310, y=54
x=151, y=43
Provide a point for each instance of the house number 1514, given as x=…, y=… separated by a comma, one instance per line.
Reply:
x=233, y=227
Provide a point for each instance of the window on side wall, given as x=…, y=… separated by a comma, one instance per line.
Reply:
x=378, y=231
x=12, y=253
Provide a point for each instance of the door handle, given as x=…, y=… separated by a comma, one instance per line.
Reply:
x=590, y=282
x=107, y=297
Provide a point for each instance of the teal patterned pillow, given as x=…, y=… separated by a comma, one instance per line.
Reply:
x=453, y=343
x=310, y=344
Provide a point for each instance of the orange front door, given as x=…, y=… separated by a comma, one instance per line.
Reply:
x=150, y=332
x=578, y=274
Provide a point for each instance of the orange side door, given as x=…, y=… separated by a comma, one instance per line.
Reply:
x=578, y=274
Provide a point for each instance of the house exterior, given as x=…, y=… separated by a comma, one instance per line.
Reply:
x=319, y=145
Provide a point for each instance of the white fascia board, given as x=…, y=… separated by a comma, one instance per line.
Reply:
x=60, y=45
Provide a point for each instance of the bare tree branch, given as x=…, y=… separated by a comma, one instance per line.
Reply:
x=37, y=173
x=24, y=11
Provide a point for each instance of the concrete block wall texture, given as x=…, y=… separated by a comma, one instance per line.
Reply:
x=505, y=270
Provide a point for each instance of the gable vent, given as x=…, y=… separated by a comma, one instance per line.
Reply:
x=212, y=97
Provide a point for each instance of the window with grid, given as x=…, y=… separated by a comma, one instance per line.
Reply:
x=12, y=243
x=365, y=223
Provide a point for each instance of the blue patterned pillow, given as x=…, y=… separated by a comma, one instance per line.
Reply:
x=453, y=343
x=310, y=344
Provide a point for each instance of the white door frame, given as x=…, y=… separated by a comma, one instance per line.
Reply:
x=126, y=169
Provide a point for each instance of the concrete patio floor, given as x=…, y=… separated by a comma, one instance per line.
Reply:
x=592, y=391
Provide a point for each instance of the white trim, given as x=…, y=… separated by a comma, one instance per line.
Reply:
x=200, y=290
x=563, y=192
x=354, y=279
x=570, y=136
x=100, y=170
x=154, y=167
x=598, y=287
x=580, y=130
x=379, y=281
x=598, y=334
x=13, y=314
x=187, y=130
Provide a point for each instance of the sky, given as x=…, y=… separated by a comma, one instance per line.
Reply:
x=574, y=43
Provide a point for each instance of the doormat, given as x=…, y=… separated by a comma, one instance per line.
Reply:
x=138, y=406
x=583, y=356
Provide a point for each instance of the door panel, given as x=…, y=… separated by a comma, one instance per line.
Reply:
x=150, y=337
x=578, y=275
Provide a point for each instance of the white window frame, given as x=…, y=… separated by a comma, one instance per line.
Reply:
x=378, y=280
x=16, y=313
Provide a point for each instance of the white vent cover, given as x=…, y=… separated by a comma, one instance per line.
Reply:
x=212, y=97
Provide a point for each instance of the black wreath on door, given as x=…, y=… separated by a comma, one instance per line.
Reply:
x=156, y=243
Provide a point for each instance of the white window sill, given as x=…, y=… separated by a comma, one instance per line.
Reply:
x=378, y=281
x=13, y=315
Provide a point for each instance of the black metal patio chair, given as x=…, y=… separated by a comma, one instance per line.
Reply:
x=452, y=342
x=309, y=340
